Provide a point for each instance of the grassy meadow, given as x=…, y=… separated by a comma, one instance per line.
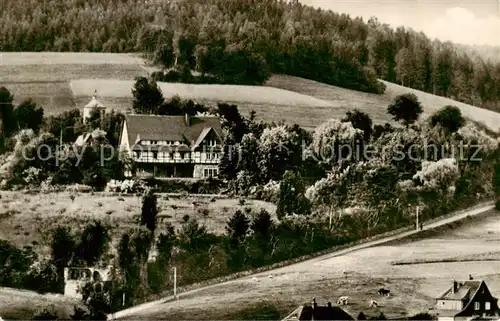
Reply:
x=45, y=77
x=25, y=219
x=18, y=304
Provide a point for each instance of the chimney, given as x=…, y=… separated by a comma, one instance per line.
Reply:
x=455, y=287
x=187, y=119
x=329, y=304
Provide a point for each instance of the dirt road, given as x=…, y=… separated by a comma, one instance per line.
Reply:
x=366, y=269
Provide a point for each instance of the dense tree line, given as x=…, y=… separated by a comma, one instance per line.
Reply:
x=252, y=38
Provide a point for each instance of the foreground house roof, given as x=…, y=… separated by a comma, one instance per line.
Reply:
x=464, y=289
x=316, y=312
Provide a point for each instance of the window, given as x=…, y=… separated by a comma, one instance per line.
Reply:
x=210, y=172
x=155, y=154
x=487, y=305
x=476, y=306
x=211, y=156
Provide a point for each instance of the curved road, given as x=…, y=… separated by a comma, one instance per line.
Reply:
x=478, y=209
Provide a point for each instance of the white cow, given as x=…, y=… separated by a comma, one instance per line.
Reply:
x=344, y=300
x=373, y=304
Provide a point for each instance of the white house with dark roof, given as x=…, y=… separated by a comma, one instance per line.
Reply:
x=467, y=300
x=173, y=146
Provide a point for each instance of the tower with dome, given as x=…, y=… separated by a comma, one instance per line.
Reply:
x=93, y=106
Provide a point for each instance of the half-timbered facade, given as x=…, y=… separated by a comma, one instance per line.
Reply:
x=173, y=146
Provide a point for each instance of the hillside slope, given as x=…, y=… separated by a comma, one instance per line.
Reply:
x=376, y=105
x=367, y=268
x=61, y=81
x=21, y=304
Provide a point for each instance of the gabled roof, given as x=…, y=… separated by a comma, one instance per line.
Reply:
x=82, y=139
x=464, y=288
x=202, y=136
x=307, y=312
x=473, y=294
x=170, y=128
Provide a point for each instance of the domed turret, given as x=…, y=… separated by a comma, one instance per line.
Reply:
x=93, y=105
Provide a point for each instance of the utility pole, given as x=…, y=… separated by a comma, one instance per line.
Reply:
x=175, y=282
x=418, y=226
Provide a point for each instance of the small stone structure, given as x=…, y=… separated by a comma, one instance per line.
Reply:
x=76, y=277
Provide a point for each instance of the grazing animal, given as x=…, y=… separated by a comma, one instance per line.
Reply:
x=373, y=304
x=270, y=276
x=344, y=300
x=255, y=279
x=384, y=292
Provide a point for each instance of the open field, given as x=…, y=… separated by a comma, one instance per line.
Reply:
x=45, y=76
x=224, y=93
x=26, y=219
x=367, y=270
x=28, y=73
x=21, y=305
x=75, y=76
x=65, y=58
x=345, y=99
x=55, y=97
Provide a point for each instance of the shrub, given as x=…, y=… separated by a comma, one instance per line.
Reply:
x=149, y=210
x=360, y=120
x=405, y=107
x=449, y=117
x=78, y=188
x=46, y=314
x=497, y=205
x=125, y=186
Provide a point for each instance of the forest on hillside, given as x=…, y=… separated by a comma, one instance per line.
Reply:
x=245, y=41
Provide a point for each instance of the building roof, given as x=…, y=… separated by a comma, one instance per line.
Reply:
x=82, y=139
x=465, y=288
x=94, y=103
x=466, y=291
x=169, y=128
x=307, y=312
